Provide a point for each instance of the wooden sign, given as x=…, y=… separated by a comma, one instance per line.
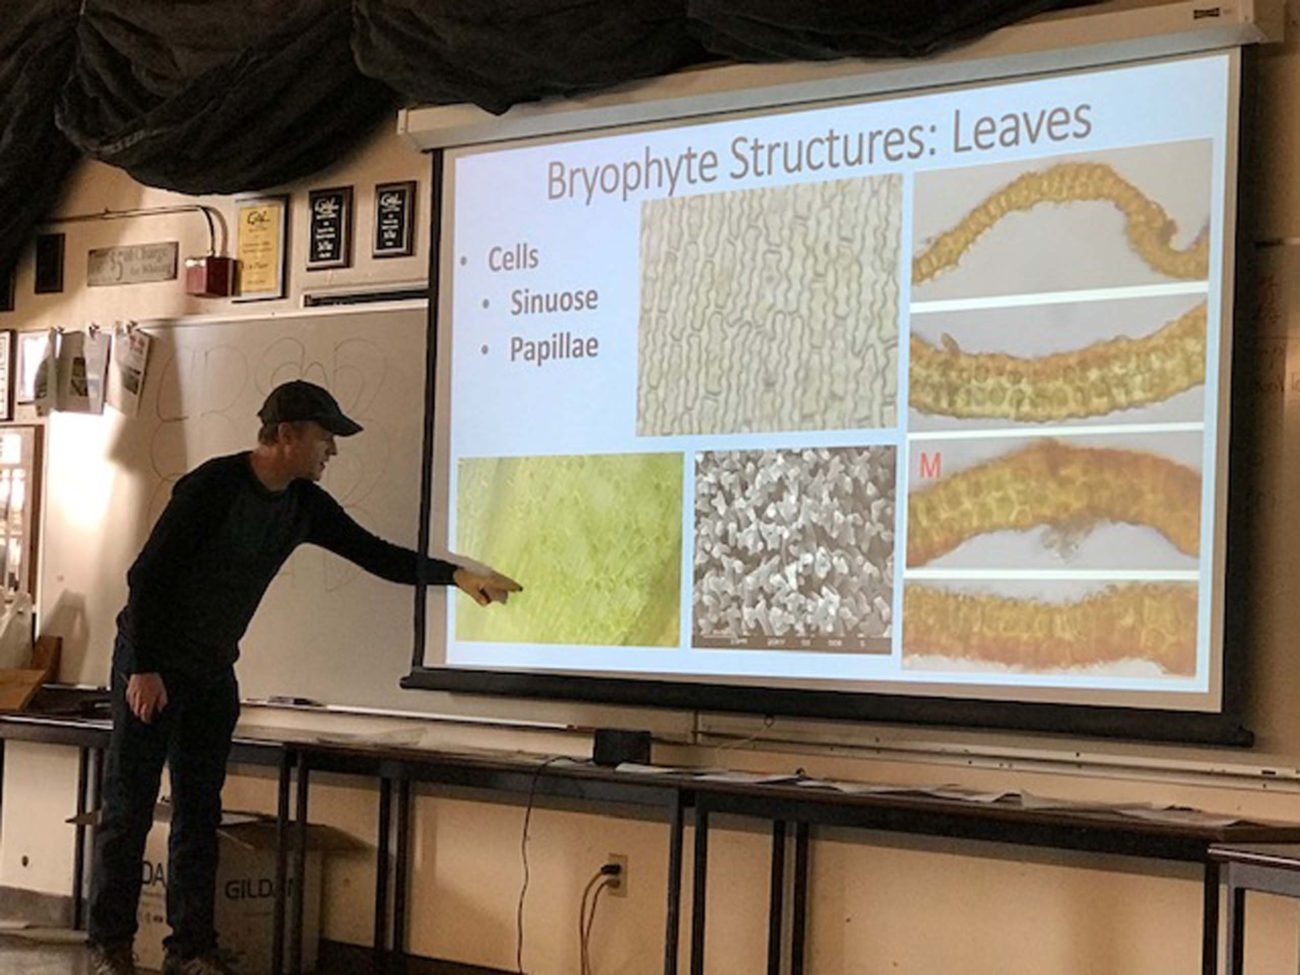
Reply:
x=329, y=228
x=394, y=215
x=132, y=264
x=19, y=686
x=260, y=248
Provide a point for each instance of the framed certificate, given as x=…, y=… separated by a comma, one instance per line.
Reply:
x=20, y=506
x=6, y=375
x=33, y=350
x=329, y=228
x=394, y=218
x=49, y=263
x=261, y=247
x=7, y=276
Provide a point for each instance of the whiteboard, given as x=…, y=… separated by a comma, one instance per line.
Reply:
x=326, y=630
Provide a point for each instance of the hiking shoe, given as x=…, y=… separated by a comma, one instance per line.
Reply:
x=213, y=963
x=115, y=959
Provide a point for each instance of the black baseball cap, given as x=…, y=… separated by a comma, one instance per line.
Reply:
x=301, y=400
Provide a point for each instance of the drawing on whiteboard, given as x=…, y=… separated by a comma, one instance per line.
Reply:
x=206, y=391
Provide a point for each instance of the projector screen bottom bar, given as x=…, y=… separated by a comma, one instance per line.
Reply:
x=1194, y=727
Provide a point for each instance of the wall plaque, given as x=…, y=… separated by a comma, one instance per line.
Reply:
x=260, y=248
x=49, y=264
x=329, y=228
x=132, y=264
x=394, y=215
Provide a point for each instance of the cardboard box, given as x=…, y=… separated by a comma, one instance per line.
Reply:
x=245, y=895
x=245, y=899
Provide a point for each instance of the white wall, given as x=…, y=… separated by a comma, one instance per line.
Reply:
x=37, y=846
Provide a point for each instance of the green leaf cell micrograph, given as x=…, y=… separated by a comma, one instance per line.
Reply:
x=595, y=541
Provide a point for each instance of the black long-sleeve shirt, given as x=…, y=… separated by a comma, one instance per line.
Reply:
x=214, y=551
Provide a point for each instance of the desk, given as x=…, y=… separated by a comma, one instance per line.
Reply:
x=91, y=739
x=519, y=777
x=781, y=804
x=1272, y=868
x=1096, y=832
x=297, y=754
x=525, y=778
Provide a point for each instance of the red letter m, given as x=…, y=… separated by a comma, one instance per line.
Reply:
x=931, y=463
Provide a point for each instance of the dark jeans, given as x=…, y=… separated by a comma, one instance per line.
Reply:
x=192, y=734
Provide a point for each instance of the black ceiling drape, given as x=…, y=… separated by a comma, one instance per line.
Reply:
x=165, y=91
x=778, y=30
x=224, y=96
x=35, y=158
x=496, y=53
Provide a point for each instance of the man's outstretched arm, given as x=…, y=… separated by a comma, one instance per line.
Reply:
x=332, y=528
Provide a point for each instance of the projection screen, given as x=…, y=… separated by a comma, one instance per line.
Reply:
x=913, y=406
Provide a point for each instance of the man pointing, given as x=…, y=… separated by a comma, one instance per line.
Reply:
x=229, y=527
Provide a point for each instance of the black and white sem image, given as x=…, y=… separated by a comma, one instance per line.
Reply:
x=770, y=309
x=794, y=549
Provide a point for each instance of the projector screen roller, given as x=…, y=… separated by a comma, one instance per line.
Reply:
x=920, y=397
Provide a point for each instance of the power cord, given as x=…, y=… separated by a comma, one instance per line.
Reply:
x=768, y=721
x=604, y=878
x=596, y=878
x=523, y=855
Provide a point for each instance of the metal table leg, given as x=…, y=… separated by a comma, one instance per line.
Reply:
x=673, y=922
x=281, y=862
x=400, y=868
x=94, y=800
x=776, y=899
x=1210, y=920
x=299, y=865
x=799, y=925
x=699, y=891
x=1236, y=926
x=381, y=874
x=79, y=850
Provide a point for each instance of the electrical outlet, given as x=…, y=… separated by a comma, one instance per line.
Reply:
x=618, y=882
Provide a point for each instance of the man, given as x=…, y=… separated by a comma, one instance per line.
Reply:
x=230, y=525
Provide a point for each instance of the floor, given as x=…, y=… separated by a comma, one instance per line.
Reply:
x=28, y=956
x=49, y=953
x=60, y=952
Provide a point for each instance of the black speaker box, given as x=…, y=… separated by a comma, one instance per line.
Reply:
x=613, y=746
